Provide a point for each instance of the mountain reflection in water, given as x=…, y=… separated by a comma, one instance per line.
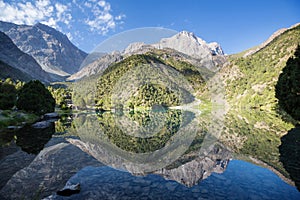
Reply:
x=167, y=154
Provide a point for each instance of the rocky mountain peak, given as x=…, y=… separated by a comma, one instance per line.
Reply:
x=191, y=36
x=189, y=44
x=186, y=34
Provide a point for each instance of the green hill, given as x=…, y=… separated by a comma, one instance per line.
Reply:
x=250, y=81
x=146, y=80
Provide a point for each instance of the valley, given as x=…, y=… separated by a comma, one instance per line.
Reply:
x=180, y=108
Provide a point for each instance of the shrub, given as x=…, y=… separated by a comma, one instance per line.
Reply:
x=35, y=98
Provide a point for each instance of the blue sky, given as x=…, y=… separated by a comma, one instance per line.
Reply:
x=235, y=24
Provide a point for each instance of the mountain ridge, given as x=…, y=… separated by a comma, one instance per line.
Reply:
x=50, y=48
x=202, y=54
x=269, y=40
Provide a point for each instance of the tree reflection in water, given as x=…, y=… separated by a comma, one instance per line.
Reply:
x=290, y=154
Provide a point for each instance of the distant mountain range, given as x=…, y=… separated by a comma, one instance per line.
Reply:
x=184, y=44
x=32, y=48
x=57, y=56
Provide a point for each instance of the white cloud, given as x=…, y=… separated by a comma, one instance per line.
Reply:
x=30, y=13
x=88, y=5
x=120, y=17
x=62, y=13
x=102, y=20
x=67, y=17
x=50, y=22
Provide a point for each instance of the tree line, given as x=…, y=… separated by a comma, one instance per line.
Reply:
x=32, y=97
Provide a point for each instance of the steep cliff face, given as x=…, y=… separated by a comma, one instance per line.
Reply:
x=195, y=47
x=49, y=47
x=11, y=55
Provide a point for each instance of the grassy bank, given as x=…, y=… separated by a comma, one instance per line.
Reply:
x=15, y=118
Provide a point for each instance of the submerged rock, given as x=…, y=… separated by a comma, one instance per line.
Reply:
x=48, y=172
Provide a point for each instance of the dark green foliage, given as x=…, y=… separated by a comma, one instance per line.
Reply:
x=288, y=86
x=35, y=98
x=8, y=95
x=254, y=124
x=256, y=133
x=111, y=76
x=83, y=92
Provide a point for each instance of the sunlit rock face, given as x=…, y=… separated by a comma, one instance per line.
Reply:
x=208, y=54
x=188, y=43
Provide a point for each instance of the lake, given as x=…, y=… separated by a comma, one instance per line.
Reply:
x=157, y=154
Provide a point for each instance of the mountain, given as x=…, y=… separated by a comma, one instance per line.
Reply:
x=97, y=66
x=118, y=145
x=12, y=56
x=188, y=43
x=199, y=168
x=166, y=82
x=49, y=47
x=7, y=71
x=208, y=54
x=184, y=44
